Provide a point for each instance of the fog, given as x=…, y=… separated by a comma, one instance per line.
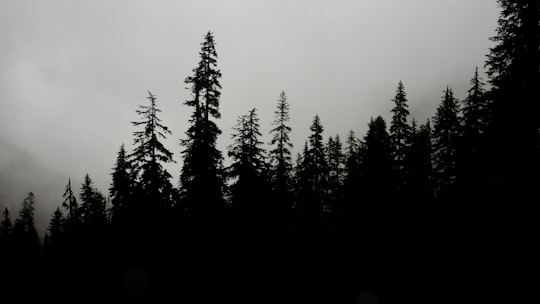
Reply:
x=72, y=73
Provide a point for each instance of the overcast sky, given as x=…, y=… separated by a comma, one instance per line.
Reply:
x=73, y=72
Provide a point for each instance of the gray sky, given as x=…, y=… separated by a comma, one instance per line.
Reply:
x=73, y=72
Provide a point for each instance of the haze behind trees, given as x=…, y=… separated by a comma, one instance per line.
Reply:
x=393, y=202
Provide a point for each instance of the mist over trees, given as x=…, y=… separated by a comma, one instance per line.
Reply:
x=369, y=205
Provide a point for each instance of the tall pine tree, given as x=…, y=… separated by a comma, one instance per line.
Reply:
x=472, y=150
x=399, y=134
x=446, y=134
x=281, y=153
x=514, y=73
x=202, y=177
x=148, y=158
x=281, y=161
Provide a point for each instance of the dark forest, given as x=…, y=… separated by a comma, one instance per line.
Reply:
x=436, y=211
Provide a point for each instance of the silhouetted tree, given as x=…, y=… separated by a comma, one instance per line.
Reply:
x=514, y=66
x=92, y=204
x=7, y=250
x=352, y=157
x=336, y=162
x=70, y=204
x=25, y=235
x=377, y=165
x=281, y=159
x=56, y=230
x=472, y=150
x=419, y=167
x=475, y=110
x=514, y=73
x=399, y=134
x=248, y=168
x=121, y=190
x=336, y=173
x=303, y=193
x=314, y=179
x=353, y=173
x=446, y=134
x=6, y=228
x=202, y=177
x=296, y=188
x=147, y=159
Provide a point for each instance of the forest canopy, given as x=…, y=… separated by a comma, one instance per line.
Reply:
x=346, y=201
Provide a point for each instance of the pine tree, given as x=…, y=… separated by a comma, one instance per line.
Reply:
x=303, y=180
x=317, y=154
x=121, y=189
x=315, y=179
x=6, y=227
x=299, y=182
x=514, y=64
x=92, y=209
x=514, y=74
x=475, y=110
x=281, y=154
x=7, y=251
x=377, y=164
x=418, y=162
x=446, y=134
x=336, y=168
x=25, y=234
x=248, y=165
x=70, y=204
x=202, y=177
x=472, y=154
x=399, y=134
x=352, y=159
x=149, y=155
x=56, y=230
x=352, y=182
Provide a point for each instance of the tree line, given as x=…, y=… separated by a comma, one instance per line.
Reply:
x=405, y=182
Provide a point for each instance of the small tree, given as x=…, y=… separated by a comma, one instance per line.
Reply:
x=6, y=227
x=70, y=204
x=56, y=230
x=93, y=211
x=121, y=190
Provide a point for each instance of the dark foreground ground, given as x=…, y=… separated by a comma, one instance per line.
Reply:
x=426, y=259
